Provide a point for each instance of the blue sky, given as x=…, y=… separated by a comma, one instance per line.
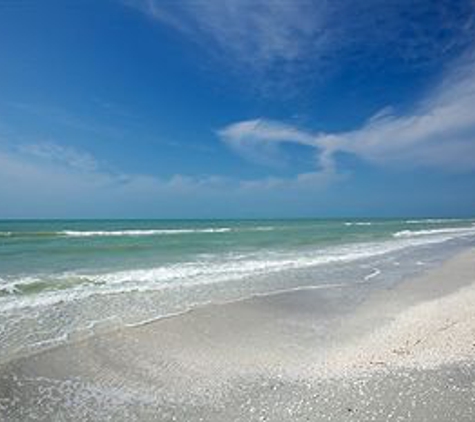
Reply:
x=237, y=108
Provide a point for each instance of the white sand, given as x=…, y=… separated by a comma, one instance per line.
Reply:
x=423, y=323
x=406, y=353
x=426, y=335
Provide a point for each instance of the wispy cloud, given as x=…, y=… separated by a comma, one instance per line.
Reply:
x=439, y=132
x=61, y=117
x=255, y=32
x=258, y=140
x=51, y=179
x=60, y=155
x=48, y=180
x=54, y=181
x=299, y=33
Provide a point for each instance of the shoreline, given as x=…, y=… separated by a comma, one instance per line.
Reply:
x=109, y=300
x=422, y=328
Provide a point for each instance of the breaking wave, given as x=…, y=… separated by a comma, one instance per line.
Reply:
x=448, y=231
x=79, y=233
x=132, y=233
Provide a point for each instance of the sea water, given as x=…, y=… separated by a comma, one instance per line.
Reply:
x=60, y=280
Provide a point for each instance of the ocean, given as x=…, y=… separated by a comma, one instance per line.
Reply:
x=65, y=279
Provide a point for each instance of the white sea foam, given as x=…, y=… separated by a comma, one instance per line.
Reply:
x=143, y=293
x=448, y=231
x=374, y=273
x=434, y=221
x=151, y=232
x=213, y=269
x=9, y=288
x=136, y=232
x=358, y=223
x=261, y=229
x=155, y=232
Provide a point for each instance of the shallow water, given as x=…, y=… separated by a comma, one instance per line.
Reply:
x=64, y=279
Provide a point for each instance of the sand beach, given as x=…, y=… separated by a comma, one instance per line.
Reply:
x=407, y=352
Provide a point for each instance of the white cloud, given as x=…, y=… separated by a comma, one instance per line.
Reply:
x=257, y=140
x=253, y=31
x=262, y=33
x=254, y=139
x=49, y=180
x=62, y=155
x=64, y=118
x=39, y=181
x=439, y=132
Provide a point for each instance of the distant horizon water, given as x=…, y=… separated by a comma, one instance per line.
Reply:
x=261, y=218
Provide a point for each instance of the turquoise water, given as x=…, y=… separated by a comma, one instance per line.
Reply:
x=60, y=278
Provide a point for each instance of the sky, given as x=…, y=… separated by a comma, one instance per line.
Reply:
x=237, y=108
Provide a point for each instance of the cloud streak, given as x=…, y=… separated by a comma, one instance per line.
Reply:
x=438, y=133
x=255, y=32
x=52, y=181
x=262, y=34
x=60, y=155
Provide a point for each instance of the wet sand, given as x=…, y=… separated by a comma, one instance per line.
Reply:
x=405, y=353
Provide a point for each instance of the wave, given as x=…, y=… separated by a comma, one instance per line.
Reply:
x=262, y=229
x=213, y=269
x=435, y=221
x=358, y=223
x=60, y=305
x=134, y=232
x=80, y=233
x=447, y=231
x=112, y=233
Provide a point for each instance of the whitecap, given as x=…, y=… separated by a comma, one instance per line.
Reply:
x=450, y=231
x=150, y=232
